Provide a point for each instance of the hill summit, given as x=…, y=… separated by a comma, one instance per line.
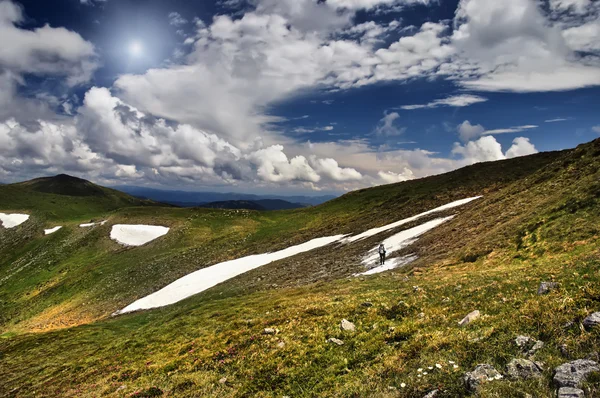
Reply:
x=64, y=184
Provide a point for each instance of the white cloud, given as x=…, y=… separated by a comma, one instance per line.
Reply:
x=596, y=129
x=560, y=119
x=176, y=19
x=386, y=126
x=576, y=6
x=44, y=50
x=457, y=101
x=521, y=147
x=487, y=149
x=389, y=177
x=468, y=132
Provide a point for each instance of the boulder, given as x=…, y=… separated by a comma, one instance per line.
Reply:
x=592, y=321
x=482, y=373
x=569, y=392
x=469, y=318
x=347, y=326
x=546, y=287
x=335, y=341
x=520, y=368
x=573, y=373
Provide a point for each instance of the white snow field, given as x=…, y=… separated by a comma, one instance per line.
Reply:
x=51, y=230
x=208, y=277
x=12, y=220
x=203, y=279
x=136, y=235
x=92, y=224
x=397, y=242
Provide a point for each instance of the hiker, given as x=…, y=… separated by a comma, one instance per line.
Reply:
x=381, y=254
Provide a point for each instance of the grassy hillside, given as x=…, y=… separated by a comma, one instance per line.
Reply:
x=538, y=221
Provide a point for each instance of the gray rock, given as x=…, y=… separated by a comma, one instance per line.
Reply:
x=569, y=392
x=528, y=345
x=421, y=315
x=270, y=331
x=347, y=326
x=335, y=341
x=432, y=394
x=520, y=368
x=481, y=374
x=546, y=287
x=573, y=373
x=592, y=321
x=469, y=318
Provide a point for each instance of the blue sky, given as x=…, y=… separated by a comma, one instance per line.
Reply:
x=290, y=96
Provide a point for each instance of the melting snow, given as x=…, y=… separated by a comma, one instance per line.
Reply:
x=205, y=278
x=51, y=230
x=92, y=224
x=12, y=220
x=375, y=231
x=208, y=277
x=136, y=235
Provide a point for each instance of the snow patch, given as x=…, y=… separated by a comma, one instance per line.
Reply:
x=203, y=279
x=208, y=277
x=398, y=242
x=136, y=235
x=92, y=224
x=51, y=230
x=378, y=230
x=12, y=220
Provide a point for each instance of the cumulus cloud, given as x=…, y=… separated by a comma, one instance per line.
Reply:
x=43, y=51
x=487, y=149
x=468, y=131
x=457, y=101
x=389, y=177
x=176, y=19
x=596, y=129
x=387, y=127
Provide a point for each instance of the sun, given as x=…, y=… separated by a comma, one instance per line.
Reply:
x=136, y=48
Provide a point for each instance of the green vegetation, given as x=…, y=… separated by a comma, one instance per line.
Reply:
x=538, y=221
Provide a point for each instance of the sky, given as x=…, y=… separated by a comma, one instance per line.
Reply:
x=290, y=96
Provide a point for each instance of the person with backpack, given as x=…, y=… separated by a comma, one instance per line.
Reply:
x=381, y=254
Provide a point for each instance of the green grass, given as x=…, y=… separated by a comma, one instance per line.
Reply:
x=538, y=221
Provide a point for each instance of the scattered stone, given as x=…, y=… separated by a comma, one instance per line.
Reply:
x=546, y=287
x=520, y=368
x=347, y=326
x=421, y=315
x=569, y=392
x=592, y=321
x=432, y=394
x=281, y=344
x=457, y=288
x=223, y=380
x=335, y=341
x=571, y=374
x=445, y=300
x=528, y=345
x=367, y=304
x=417, y=289
x=469, y=318
x=482, y=374
x=270, y=331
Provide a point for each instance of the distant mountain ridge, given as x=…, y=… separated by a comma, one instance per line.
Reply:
x=260, y=205
x=198, y=198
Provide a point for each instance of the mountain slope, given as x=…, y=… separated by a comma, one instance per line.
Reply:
x=259, y=204
x=537, y=221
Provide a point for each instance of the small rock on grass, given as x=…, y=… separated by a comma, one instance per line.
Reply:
x=469, y=318
x=592, y=321
x=481, y=374
x=528, y=345
x=573, y=373
x=546, y=287
x=569, y=392
x=270, y=331
x=335, y=341
x=347, y=326
x=432, y=394
x=523, y=369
